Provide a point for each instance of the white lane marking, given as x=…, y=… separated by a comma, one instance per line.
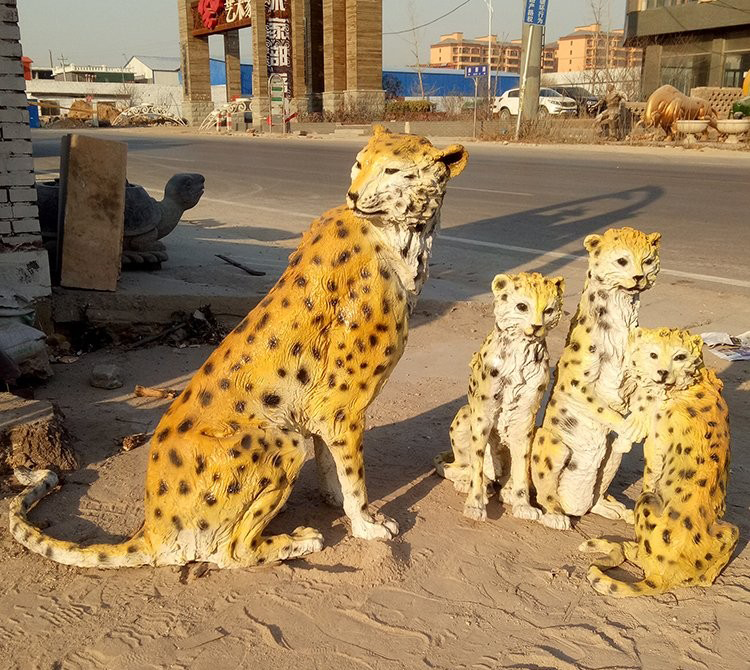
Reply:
x=492, y=245
x=561, y=254
x=489, y=190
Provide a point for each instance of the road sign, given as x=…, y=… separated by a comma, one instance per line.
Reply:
x=536, y=12
x=476, y=71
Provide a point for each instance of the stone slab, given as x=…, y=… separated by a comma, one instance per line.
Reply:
x=26, y=273
x=93, y=187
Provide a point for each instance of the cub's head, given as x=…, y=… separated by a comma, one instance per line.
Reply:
x=666, y=357
x=624, y=258
x=528, y=302
x=401, y=179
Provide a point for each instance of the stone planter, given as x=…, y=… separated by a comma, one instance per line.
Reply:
x=733, y=128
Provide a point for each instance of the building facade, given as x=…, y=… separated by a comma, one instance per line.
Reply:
x=590, y=48
x=690, y=43
x=456, y=52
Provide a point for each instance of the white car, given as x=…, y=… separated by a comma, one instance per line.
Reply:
x=550, y=102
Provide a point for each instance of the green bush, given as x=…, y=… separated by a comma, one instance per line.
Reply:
x=399, y=107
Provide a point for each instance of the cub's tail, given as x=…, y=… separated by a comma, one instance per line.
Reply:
x=39, y=483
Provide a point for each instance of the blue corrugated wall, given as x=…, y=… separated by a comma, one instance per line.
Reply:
x=436, y=82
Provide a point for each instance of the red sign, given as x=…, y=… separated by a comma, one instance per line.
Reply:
x=209, y=11
x=211, y=17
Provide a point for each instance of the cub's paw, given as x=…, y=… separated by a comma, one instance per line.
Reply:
x=305, y=541
x=526, y=512
x=610, y=508
x=555, y=521
x=371, y=529
x=462, y=485
x=475, y=511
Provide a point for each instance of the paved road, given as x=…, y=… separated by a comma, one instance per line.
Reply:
x=514, y=207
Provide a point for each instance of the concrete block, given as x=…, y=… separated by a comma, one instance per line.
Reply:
x=26, y=273
x=23, y=211
x=19, y=163
x=8, y=13
x=12, y=82
x=14, y=115
x=6, y=211
x=15, y=147
x=93, y=187
x=22, y=194
x=29, y=225
x=11, y=66
x=18, y=179
x=13, y=98
x=4, y=195
x=15, y=131
x=10, y=31
x=10, y=49
x=29, y=239
x=5, y=228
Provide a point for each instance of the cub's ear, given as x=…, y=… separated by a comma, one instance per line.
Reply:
x=455, y=158
x=654, y=238
x=380, y=129
x=592, y=242
x=500, y=283
x=559, y=282
x=697, y=342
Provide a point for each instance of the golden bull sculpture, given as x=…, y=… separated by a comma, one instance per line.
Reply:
x=667, y=105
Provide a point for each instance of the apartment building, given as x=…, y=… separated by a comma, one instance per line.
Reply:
x=456, y=52
x=690, y=43
x=591, y=48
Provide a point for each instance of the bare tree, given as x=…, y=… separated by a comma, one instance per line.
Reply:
x=415, y=45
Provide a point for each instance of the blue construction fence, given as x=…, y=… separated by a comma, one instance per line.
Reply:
x=438, y=82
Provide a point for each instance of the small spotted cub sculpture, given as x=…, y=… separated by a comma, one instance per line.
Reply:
x=509, y=375
x=571, y=465
x=678, y=409
x=306, y=362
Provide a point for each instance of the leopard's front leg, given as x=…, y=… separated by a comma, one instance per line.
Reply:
x=344, y=439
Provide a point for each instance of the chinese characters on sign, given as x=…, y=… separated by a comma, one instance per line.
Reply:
x=476, y=71
x=237, y=10
x=279, y=42
x=536, y=12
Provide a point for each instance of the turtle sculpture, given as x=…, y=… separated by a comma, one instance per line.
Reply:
x=146, y=220
x=667, y=105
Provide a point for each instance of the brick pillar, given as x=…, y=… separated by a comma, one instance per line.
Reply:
x=364, y=55
x=196, y=74
x=261, y=104
x=232, y=64
x=334, y=53
x=315, y=68
x=24, y=265
x=300, y=83
x=716, y=73
x=651, y=73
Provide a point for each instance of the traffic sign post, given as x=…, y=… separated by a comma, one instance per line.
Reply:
x=535, y=12
x=475, y=72
x=535, y=15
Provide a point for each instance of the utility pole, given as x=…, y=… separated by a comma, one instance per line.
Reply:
x=531, y=58
x=63, y=65
x=490, y=96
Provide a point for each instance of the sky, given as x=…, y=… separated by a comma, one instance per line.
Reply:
x=109, y=32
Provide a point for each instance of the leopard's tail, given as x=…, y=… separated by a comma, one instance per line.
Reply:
x=608, y=586
x=39, y=483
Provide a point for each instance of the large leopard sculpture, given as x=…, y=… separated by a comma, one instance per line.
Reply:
x=680, y=539
x=572, y=459
x=306, y=362
x=491, y=435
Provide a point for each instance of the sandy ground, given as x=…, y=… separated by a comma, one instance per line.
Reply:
x=446, y=593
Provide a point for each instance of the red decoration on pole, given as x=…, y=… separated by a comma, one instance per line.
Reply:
x=209, y=11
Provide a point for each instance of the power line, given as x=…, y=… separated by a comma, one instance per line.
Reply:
x=408, y=30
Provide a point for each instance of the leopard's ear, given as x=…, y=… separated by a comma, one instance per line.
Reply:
x=697, y=342
x=380, y=129
x=653, y=239
x=500, y=283
x=559, y=282
x=455, y=158
x=592, y=242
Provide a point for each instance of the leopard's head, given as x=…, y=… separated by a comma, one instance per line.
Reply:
x=401, y=179
x=664, y=357
x=528, y=302
x=624, y=258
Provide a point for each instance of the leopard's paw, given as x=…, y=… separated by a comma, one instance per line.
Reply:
x=526, y=511
x=555, y=521
x=383, y=528
x=475, y=511
x=610, y=508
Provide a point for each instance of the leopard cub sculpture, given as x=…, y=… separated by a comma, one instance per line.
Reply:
x=572, y=462
x=306, y=362
x=680, y=539
x=491, y=435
